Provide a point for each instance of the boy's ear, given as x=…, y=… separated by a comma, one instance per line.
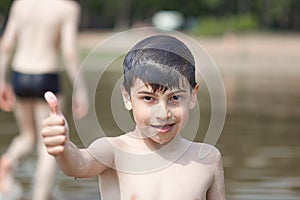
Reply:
x=126, y=98
x=194, y=96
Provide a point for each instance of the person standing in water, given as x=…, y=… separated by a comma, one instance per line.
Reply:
x=153, y=160
x=38, y=30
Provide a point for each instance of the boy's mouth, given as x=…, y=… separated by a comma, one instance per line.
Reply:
x=163, y=128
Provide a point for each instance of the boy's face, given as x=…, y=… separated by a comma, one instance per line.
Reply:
x=159, y=115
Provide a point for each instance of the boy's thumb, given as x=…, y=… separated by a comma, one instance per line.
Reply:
x=53, y=103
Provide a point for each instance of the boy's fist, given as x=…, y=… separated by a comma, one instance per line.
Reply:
x=7, y=98
x=55, y=128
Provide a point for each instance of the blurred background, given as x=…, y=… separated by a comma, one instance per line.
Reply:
x=255, y=44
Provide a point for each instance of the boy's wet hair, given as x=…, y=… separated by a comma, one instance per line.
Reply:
x=161, y=62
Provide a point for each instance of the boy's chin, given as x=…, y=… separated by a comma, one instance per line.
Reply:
x=159, y=138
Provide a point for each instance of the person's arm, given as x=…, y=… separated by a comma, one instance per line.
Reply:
x=69, y=45
x=217, y=189
x=73, y=161
x=7, y=97
x=8, y=42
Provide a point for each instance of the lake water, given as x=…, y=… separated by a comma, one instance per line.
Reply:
x=260, y=142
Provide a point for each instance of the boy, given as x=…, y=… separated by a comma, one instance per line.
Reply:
x=153, y=161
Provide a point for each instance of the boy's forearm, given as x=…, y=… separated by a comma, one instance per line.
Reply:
x=72, y=161
x=4, y=60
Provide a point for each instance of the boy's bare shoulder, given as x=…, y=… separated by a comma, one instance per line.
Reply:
x=71, y=4
x=206, y=153
x=16, y=5
x=119, y=142
x=125, y=142
x=67, y=7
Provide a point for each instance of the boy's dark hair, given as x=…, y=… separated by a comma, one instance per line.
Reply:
x=160, y=61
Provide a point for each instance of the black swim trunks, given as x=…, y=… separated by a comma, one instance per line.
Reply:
x=34, y=85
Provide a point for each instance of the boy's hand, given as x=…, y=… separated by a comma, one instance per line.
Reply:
x=7, y=97
x=55, y=129
x=80, y=104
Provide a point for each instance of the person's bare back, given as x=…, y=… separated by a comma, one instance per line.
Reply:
x=40, y=26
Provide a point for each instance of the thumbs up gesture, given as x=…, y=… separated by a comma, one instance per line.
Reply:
x=55, y=128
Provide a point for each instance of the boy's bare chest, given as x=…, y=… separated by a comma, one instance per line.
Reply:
x=174, y=182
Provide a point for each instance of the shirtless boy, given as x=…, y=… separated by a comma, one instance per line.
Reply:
x=152, y=161
x=37, y=29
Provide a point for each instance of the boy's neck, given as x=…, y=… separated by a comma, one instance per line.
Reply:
x=151, y=145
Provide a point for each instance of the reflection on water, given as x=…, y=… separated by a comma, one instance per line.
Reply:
x=260, y=142
x=261, y=139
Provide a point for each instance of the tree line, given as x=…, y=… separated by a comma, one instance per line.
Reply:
x=269, y=14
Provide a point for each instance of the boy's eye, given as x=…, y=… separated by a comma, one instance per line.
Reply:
x=148, y=98
x=175, y=99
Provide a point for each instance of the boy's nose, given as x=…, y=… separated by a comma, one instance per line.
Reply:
x=160, y=111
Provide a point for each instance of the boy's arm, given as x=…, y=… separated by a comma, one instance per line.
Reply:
x=70, y=51
x=217, y=189
x=73, y=161
x=7, y=97
x=8, y=42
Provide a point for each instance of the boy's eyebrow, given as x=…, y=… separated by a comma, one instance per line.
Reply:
x=145, y=92
x=179, y=91
x=172, y=92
